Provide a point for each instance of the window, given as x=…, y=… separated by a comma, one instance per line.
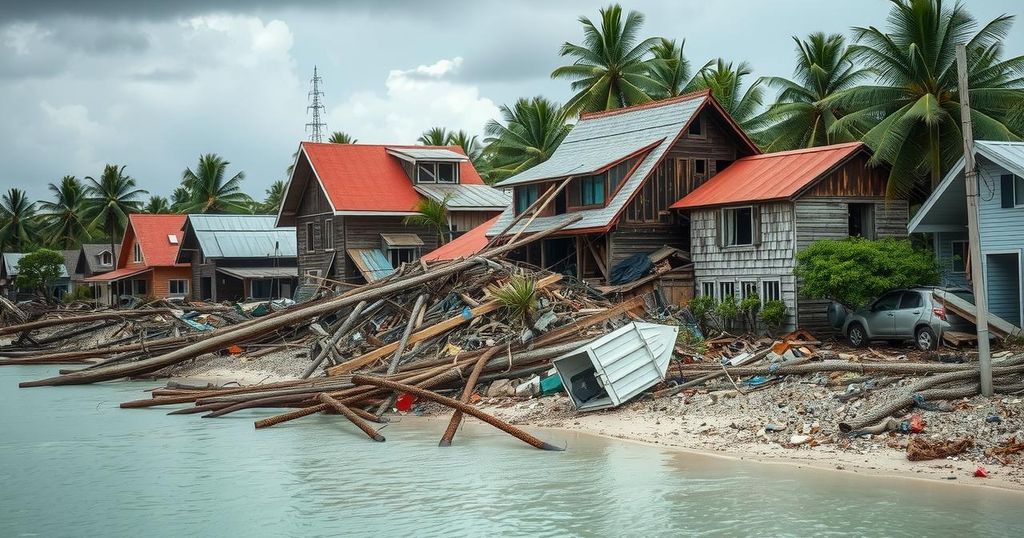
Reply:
x=889, y=301
x=771, y=290
x=700, y=167
x=137, y=251
x=177, y=287
x=911, y=299
x=696, y=129
x=437, y=172
x=861, y=220
x=426, y=173
x=261, y=288
x=328, y=234
x=707, y=289
x=172, y=239
x=592, y=190
x=748, y=288
x=525, y=196
x=1018, y=191
x=618, y=173
x=138, y=287
x=106, y=258
x=960, y=256
x=398, y=256
x=309, y=237
x=726, y=289
x=446, y=172
x=738, y=226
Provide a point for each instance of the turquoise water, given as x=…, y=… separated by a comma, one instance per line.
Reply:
x=73, y=464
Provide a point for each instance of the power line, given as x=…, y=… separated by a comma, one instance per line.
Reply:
x=316, y=127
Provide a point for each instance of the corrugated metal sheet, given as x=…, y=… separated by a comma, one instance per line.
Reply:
x=260, y=272
x=467, y=196
x=428, y=154
x=11, y=260
x=599, y=140
x=371, y=262
x=242, y=236
x=623, y=363
x=1009, y=155
x=772, y=176
x=463, y=246
x=402, y=240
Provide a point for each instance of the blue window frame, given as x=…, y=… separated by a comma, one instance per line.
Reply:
x=592, y=190
x=526, y=196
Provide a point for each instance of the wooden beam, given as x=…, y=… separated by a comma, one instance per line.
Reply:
x=600, y=263
x=429, y=332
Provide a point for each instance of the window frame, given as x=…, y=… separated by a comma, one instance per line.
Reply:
x=777, y=284
x=391, y=252
x=327, y=235
x=722, y=220
x=587, y=185
x=721, y=289
x=106, y=255
x=434, y=169
x=751, y=286
x=310, y=235
x=963, y=259
x=181, y=281
x=704, y=288
x=1018, y=203
x=535, y=189
x=701, y=133
x=137, y=252
x=455, y=172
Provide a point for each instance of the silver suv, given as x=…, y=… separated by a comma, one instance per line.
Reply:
x=908, y=314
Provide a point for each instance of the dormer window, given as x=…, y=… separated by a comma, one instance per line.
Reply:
x=437, y=172
x=106, y=258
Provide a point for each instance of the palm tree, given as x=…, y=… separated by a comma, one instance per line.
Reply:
x=532, y=130
x=338, y=137
x=64, y=220
x=469, y=144
x=800, y=118
x=275, y=195
x=435, y=136
x=726, y=85
x=611, y=69
x=911, y=116
x=17, y=220
x=432, y=214
x=111, y=200
x=157, y=205
x=180, y=199
x=671, y=74
x=209, y=192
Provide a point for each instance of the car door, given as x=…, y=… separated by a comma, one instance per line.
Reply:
x=905, y=317
x=881, y=315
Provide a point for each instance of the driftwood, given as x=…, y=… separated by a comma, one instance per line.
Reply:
x=83, y=318
x=338, y=335
x=474, y=376
x=343, y=410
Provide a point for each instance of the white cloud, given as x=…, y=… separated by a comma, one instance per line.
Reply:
x=414, y=100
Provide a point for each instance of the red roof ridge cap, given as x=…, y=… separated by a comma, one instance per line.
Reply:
x=803, y=151
x=650, y=104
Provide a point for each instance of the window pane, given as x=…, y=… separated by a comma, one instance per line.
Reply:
x=911, y=299
x=1018, y=190
x=708, y=289
x=425, y=173
x=728, y=289
x=738, y=226
x=749, y=288
x=446, y=172
x=889, y=301
x=959, y=261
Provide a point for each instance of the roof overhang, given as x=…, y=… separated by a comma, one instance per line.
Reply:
x=119, y=274
x=946, y=209
x=292, y=198
x=259, y=272
x=426, y=154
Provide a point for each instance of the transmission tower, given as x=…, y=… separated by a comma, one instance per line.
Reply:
x=316, y=127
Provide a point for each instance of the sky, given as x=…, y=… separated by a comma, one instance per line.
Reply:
x=153, y=85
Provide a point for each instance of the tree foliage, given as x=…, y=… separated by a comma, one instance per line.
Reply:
x=17, y=220
x=339, y=137
x=157, y=205
x=855, y=270
x=64, y=222
x=209, y=191
x=728, y=84
x=38, y=270
x=528, y=135
x=432, y=214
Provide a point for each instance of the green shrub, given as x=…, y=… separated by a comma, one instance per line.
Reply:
x=37, y=271
x=749, y=307
x=727, y=311
x=774, y=314
x=853, y=271
x=81, y=293
x=519, y=297
x=701, y=307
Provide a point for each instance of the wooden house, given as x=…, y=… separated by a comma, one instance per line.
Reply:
x=748, y=222
x=624, y=168
x=347, y=203
x=239, y=257
x=94, y=259
x=147, y=260
x=9, y=279
x=1000, y=169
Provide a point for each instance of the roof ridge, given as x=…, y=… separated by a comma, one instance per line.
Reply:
x=803, y=151
x=403, y=146
x=643, y=106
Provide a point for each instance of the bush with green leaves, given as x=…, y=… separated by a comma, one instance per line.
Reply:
x=81, y=293
x=774, y=313
x=749, y=307
x=727, y=311
x=853, y=271
x=38, y=270
x=701, y=307
x=519, y=297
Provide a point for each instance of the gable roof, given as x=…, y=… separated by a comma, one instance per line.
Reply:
x=941, y=212
x=366, y=178
x=236, y=236
x=770, y=176
x=89, y=259
x=11, y=260
x=152, y=233
x=603, y=139
x=462, y=246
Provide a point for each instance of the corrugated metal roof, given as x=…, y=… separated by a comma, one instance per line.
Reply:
x=462, y=246
x=402, y=240
x=260, y=272
x=242, y=236
x=601, y=139
x=772, y=176
x=428, y=154
x=11, y=260
x=371, y=262
x=152, y=233
x=467, y=196
x=1009, y=155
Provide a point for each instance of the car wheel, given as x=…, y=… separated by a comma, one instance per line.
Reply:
x=856, y=335
x=925, y=338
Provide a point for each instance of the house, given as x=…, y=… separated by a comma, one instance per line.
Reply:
x=147, y=263
x=238, y=257
x=348, y=201
x=624, y=168
x=9, y=279
x=1000, y=169
x=464, y=246
x=94, y=259
x=748, y=223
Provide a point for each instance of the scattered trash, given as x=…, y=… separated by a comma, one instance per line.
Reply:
x=920, y=449
x=981, y=472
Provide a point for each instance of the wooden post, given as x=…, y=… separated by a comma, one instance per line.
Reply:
x=974, y=241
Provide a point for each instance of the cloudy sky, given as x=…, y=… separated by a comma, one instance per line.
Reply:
x=154, y=86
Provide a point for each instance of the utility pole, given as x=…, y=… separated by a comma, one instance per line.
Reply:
x=974, y=242
x=316, y=127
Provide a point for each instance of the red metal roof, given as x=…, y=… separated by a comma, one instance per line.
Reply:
x=771, y=176
x=152, y=231
x=364, y=177
x=462, y=246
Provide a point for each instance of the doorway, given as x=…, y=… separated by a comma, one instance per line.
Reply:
x=1003, y=280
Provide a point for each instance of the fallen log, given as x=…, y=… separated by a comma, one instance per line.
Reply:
x=343, y=410
x=270, y=323
x=97, y=316
x=453, y=425
x=455, y=404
